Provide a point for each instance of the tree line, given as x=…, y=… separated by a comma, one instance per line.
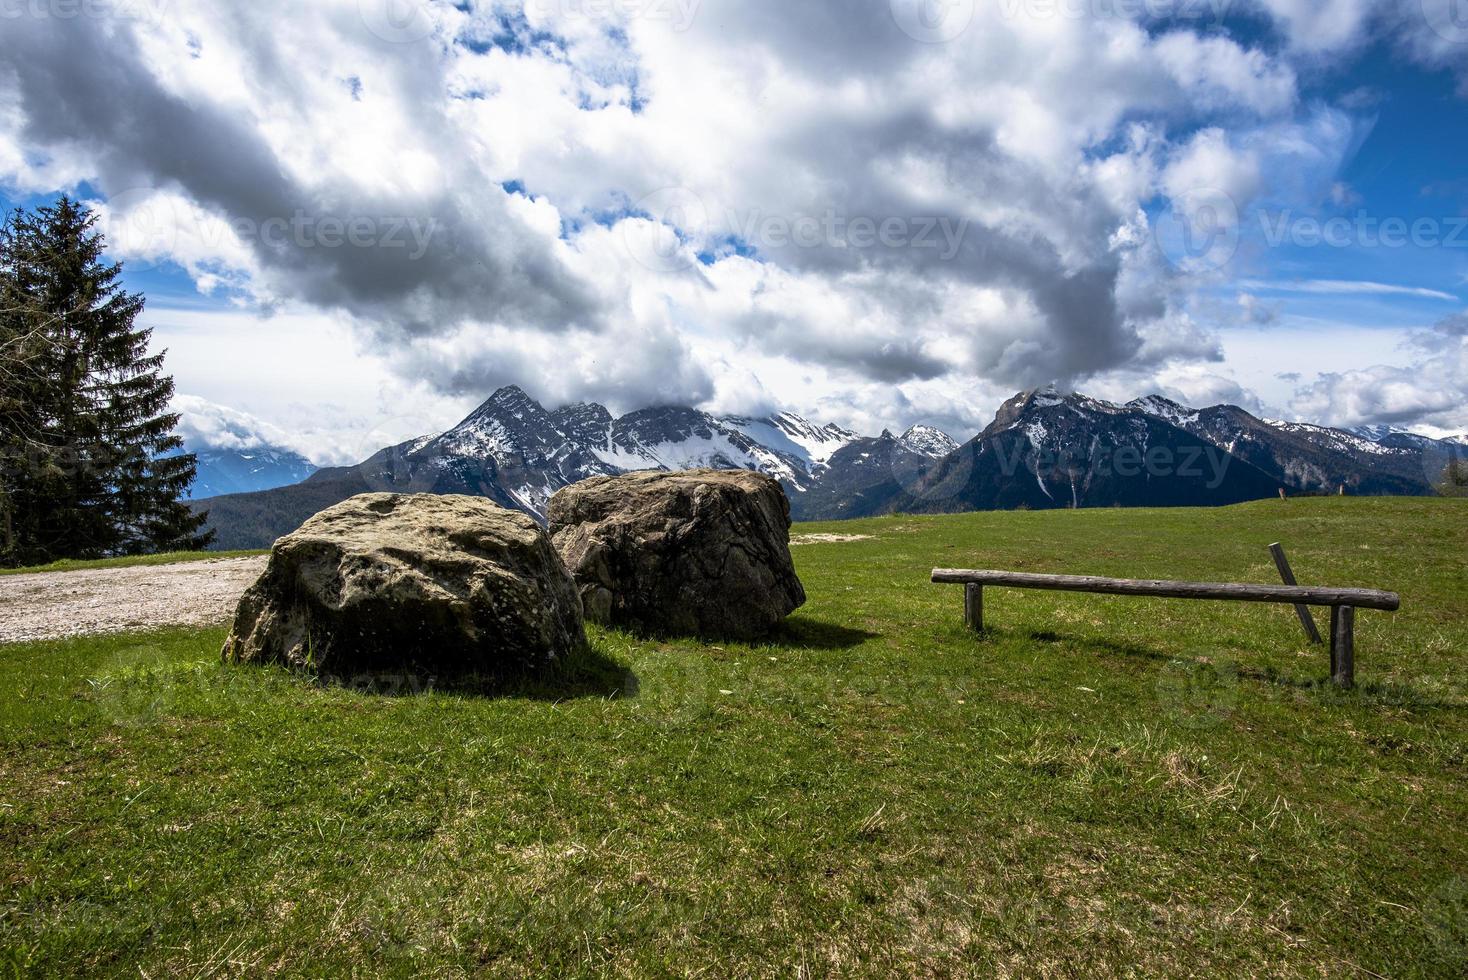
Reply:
x=90, y=466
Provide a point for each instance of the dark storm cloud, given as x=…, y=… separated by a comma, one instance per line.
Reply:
x=427, y=262
x=1083, y=330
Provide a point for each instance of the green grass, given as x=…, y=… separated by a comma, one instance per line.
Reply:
x=129, y=561
x=1100, y=786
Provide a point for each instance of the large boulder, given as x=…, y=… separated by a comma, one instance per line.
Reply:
x=389, y=582
x=703, y=553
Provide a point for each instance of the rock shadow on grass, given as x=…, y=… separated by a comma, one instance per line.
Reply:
x=795, y=633
x=587, y=673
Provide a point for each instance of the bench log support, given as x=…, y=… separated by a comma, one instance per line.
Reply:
x=1287, y=575
x=973, y=607
x=1343, y=646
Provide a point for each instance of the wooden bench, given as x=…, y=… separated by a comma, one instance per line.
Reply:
x=1343, y=602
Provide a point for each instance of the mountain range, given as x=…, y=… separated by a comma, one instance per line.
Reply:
x=1044, y=449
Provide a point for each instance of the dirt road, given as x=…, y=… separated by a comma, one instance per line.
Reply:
x=114, y=600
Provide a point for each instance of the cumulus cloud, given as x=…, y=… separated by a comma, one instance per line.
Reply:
x=732, y=202
x=1432, y=391
x=205, y=425
x=1432, y=32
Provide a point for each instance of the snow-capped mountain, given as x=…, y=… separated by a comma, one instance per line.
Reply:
x=1048, y=449
x=1302, y=456
x=1044, y=449
x=872, y=476
x=222, y=471
x=236, y=452
x=515, y=452
x=925, y=440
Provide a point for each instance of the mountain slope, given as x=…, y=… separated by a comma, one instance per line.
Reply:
x=1045, y=450
x=875, y=476
x=1307, y=457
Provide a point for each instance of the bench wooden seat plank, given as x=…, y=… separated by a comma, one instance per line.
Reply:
x=1344, y=602
x=1305, y=595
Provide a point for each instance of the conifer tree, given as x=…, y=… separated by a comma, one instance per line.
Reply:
x=92, y=467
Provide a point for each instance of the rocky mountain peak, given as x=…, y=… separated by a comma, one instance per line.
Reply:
x=1013, y=410
x=511, y=397
x=509, y=422
x=587, y=424
x=800, y=428
x=925, y=440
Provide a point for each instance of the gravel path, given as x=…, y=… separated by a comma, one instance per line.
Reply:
x=113, y=600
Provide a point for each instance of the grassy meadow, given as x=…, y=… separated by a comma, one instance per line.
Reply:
x=1098, y=786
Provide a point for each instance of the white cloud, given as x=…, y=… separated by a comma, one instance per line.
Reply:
x=1217, y=72
x=203, y=424
x=512, y=150
x=1319, y=26
x=1430, y=389
x=1208, y=162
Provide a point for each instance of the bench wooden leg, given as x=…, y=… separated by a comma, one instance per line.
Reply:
x=1343, y=646
x=973, y=607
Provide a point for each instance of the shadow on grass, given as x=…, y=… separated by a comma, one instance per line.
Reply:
x=795, y=633
x=1381, y=693
x=589, y=673
x=805, y=633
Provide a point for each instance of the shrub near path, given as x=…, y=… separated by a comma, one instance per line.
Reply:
x=1100, y=786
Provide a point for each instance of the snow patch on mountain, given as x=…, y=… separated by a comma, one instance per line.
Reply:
x=1341, y=439
x=791, y=435
x=1167, y=410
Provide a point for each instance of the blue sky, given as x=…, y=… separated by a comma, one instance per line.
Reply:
x=744, y=205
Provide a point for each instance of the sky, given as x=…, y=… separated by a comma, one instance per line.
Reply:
x=355, y=219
